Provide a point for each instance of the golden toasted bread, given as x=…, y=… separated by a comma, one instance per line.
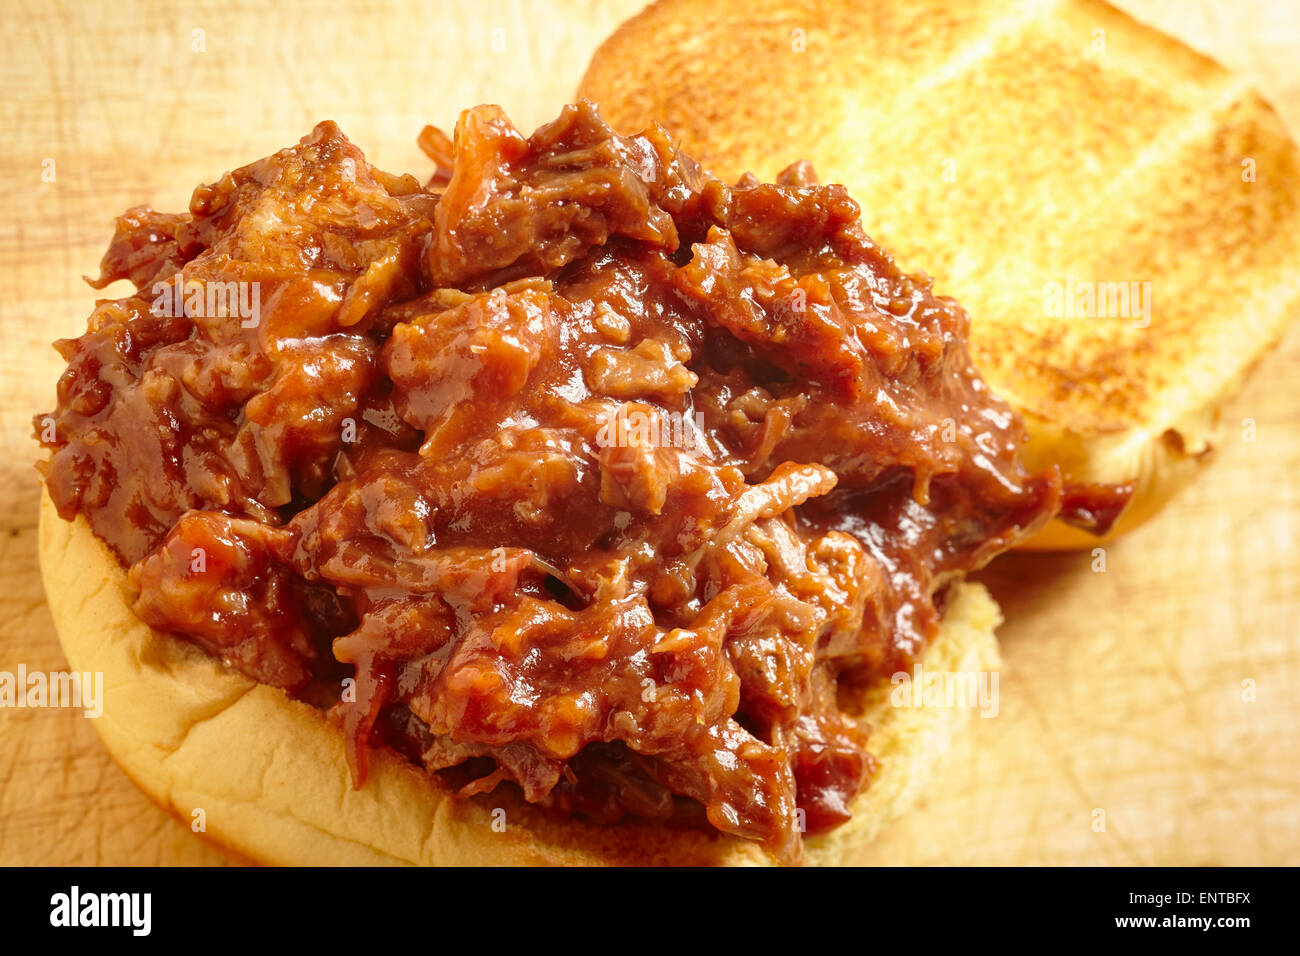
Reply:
x=269, y=773
x=1119, y=214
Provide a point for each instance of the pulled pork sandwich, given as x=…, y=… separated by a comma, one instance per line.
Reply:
x=573, y=507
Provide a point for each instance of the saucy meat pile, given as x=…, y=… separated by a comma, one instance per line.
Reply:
x=574, y=469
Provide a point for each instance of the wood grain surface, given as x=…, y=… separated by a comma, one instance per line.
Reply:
x=1163, y=691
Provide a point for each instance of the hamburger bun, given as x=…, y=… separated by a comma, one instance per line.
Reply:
x=270, y=776
x=1006, y=147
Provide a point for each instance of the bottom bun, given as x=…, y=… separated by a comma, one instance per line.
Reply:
x=270, y=774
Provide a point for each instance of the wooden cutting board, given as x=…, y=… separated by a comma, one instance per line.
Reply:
x=1121, y=691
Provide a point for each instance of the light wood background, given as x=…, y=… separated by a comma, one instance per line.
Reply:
x=1121, y=691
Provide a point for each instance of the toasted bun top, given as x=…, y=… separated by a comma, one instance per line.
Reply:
x=272, y=779
x=1004, y=146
